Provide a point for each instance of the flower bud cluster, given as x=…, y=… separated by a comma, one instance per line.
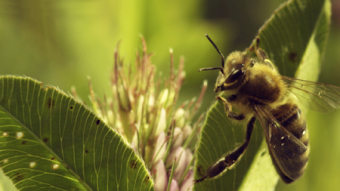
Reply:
x=142, y=109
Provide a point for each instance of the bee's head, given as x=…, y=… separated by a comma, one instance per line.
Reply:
x=233, y=70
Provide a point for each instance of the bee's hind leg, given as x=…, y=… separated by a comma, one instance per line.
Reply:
x=228, y=161
x=228, y=109
x=236, y=154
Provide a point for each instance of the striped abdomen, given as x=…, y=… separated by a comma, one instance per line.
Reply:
x=289, y=142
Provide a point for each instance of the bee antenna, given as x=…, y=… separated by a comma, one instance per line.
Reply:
x=206, y=35
x=212, y=68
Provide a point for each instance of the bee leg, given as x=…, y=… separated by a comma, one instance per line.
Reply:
x=228, y=109
x=230, y=159
x=261, y=54
x=214, y=170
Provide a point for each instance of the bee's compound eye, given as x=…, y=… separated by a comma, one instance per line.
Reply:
x=252, y=63
x=236, y=75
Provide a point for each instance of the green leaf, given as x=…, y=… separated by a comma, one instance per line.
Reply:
x=294, y=39
x=49, y=141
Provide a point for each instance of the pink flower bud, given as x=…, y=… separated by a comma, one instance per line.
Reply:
x=174, y=185
x=161, y=179
x=189, y=156
x=180, y=117
x=187, y=130
x=188, y=181
x=179, y=155
x=161, y=122
x=178, y=137
x=160, y=147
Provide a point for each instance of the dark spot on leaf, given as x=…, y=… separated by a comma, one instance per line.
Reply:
x=45, y=139
x=23, y=142
x=98, y=122
x=86, y=151
x=200, y=171
x=133, y=164
x=71, y=107
x=52, y=158
x=18, y=177
x=50, y=103
x=147, y=178
x=263, y=153
x=292, y=56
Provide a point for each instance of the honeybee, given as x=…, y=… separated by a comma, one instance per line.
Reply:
x=255, y=87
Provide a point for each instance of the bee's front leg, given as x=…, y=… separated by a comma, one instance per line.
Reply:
x=228, y=109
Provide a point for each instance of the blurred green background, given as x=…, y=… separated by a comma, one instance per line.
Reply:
x=62, y=42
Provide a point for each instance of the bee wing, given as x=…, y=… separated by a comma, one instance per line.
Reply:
x=318, y=96
x=284, y=147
